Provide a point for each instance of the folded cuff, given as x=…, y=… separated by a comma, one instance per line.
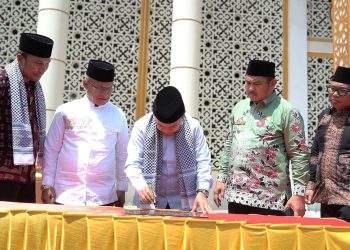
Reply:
x=299, y=190
x=222, y=178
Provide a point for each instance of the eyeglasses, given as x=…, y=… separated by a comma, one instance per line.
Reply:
x=101, y=89
x=341, y=92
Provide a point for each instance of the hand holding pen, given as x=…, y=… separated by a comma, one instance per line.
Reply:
x=154, y=196
x=147, y=195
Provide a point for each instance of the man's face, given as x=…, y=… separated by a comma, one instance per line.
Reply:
x=169, y=128
x=98, y=92
x=259, y=88
x=339, y=95
x=32, y=67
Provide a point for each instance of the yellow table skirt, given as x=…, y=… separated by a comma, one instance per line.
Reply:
x=45, y=229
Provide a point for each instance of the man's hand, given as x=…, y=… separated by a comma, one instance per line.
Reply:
x=121, y=199
x=219, y=192
x=308, y=196
x=146, y=196
x=297, y=203
x=201, y=202
x=48, y=195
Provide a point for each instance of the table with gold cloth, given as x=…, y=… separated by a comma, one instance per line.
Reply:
x=38, y=226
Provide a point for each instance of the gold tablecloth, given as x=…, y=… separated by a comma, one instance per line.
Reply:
x=37, y=226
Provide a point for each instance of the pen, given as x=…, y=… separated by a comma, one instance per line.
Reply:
x=152, y=205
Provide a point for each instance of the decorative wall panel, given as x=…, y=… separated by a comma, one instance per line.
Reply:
x=106, y=30
x=319, y=73
x=318, y=19
x=16, y=17
x=341, y=41
x=159, y=48
x=319, y=69
x=233, y=33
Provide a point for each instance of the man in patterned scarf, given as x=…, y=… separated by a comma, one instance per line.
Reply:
x=266, y=133
x=168, y=158
x=22, y=117
x=330, y=153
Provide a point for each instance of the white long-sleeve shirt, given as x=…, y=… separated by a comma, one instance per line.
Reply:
x=85, y=153
x=169, y=191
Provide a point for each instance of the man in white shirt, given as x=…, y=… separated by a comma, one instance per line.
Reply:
x=86, y=146
x=168, y=160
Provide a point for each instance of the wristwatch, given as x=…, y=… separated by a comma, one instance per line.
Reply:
x=44, y=187
x=204, y=191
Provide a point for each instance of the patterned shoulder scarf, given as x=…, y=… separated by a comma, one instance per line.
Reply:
x=185, y=158
x=21, y=128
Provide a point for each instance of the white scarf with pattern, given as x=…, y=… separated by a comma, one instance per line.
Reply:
x=185, y=158
x=21, y=128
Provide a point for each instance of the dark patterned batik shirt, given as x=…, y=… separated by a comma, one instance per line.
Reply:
x=9, y=171
x=330, y=158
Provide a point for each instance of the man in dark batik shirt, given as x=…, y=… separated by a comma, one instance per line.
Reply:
x=330, y=154
x=22, y=117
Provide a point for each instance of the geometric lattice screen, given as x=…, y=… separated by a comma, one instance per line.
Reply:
x=106, y=30
x=233, y=32
x=318, y=18
x=159, y=48
x=15, y=17
x=319, y=72
x=319, y=68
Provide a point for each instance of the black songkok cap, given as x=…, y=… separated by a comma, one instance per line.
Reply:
x=100, y=71
x=36, y=45
x=261, y=68
x=168, y=106
x=342, y=75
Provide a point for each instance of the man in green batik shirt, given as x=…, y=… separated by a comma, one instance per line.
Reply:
x=266, y=133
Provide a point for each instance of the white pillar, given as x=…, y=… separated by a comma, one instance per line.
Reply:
x=53, y=22
x=185, y=51
x=297, y=57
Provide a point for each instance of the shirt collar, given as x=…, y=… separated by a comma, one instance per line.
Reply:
x=268, y=100
x=91, y=104
x=333, y=110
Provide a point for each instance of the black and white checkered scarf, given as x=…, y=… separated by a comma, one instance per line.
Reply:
x=21, y=128
x=185, y=159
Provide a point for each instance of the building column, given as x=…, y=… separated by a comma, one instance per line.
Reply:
x=141, y=89
x=341, y=32
x=185, y=51
x=297, y=57
x=53, y=22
